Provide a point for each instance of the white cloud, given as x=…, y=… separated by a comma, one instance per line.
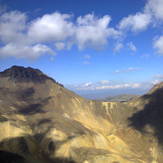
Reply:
x=88, y=84
x=93, y=32
x=61, y=31
x=120, y=86
x=87, y=31
x=118, y=47
x=155, y=8
x=56, y=30
x=32, y=52
x=137, y=22
x=51, y=27
x=132, y=47
x=152, y=13
x=105, y=85
x=14, y=39
x=158, y=45
x=12, y=25
x=157, y=79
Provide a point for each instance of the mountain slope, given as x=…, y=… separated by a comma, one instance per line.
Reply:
x=42, y=121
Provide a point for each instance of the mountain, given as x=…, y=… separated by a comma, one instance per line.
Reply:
x=43, y=122
x=121, y=98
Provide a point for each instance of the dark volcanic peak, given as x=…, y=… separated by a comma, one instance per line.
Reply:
x=22, y=74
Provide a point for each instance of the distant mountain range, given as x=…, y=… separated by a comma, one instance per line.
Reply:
x=121, y=98
x=43, y=122
x=107, y=93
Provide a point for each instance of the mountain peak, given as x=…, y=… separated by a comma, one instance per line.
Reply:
x=25, y=74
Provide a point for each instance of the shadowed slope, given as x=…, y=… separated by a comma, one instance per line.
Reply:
x=150, y=118
x=8, y=157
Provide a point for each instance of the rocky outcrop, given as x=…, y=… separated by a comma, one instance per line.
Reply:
x=41, y=121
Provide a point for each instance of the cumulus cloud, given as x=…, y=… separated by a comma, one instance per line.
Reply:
x=150, y=16
x=12, y=25
x=51, y=32
x=93, y=32
x=137, y=22
x=14, y=40
x=32, y=52
x=158, y=45
x=51, y=27
x=57, y=31
x=155, y=8
x=152, y=13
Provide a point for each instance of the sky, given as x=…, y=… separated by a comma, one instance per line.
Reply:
x=90, y=46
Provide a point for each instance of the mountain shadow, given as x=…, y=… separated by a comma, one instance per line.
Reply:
x=151, y=115
x=21, y=153
x=8, y=157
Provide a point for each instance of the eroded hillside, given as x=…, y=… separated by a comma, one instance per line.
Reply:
x=41, y=121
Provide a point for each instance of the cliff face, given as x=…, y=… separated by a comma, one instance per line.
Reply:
x=41, y=121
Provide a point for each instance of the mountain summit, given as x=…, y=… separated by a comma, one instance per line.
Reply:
x=22, y=74
x=41, y=121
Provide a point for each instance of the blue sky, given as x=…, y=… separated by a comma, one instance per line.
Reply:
x=88, y=45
